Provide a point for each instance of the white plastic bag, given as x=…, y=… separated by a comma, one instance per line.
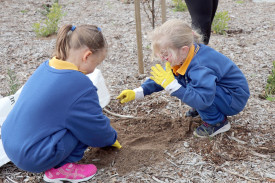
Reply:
x=7, y=103
x=102, y=91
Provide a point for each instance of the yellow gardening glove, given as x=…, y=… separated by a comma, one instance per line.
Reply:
x=126, y=96
x=117, y=145
x=161, y=76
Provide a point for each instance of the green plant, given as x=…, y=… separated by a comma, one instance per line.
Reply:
x=179, y=5
x=270, y=86
x=50, y=25
x=24, y=11
x=47, y=8
x=220, y=22
x=239, y=2
x=13, y=83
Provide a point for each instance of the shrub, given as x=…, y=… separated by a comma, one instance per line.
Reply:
x=270, y=86
x=179, y=5
x=240, y=2
x=220, y=22
x=50, y=25
x=47, y=8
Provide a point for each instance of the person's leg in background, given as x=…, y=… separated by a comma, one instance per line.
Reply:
x=202, y=13
x=214, y=9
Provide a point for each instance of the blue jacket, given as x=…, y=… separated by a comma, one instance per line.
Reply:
x=52, y=104
x=208, y=70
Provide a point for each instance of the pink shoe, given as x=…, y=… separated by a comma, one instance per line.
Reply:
x=70, y=172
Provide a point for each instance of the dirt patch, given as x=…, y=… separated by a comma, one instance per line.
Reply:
x=144, y=141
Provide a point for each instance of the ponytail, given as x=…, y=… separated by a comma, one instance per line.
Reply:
x=62, y=46
x=72, y=37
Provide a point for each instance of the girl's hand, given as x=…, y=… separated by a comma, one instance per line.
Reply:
x=117, y=145
x=126, y=96
x=161, y=76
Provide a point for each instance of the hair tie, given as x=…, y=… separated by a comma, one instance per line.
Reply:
x=73, y=28
x=99, y=29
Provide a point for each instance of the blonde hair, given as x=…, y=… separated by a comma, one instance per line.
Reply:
x=70, y=37
x=172, y=35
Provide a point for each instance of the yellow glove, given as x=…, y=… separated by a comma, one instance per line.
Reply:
x=126, y=96
x=117, y=145
x=161, y=76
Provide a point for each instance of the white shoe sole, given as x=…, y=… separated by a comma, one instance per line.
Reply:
x=221, y=130
x=46, y=179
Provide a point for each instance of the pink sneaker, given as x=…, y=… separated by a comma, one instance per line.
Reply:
x=70, y=172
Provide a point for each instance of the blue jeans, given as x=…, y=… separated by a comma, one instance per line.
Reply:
x=220, y=108
x=74, y=151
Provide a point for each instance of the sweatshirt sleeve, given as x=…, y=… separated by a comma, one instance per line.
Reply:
x=87, y=122
x=150, y=86
x=200, y=91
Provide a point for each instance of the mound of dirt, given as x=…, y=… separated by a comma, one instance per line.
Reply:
x=143, y=141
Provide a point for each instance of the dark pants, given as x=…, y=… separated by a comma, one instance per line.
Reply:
x=221, y=107
x=68, y=149
x=202, y=14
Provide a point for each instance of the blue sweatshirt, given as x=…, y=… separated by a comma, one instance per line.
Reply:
x=208, y=70
x=52, y=104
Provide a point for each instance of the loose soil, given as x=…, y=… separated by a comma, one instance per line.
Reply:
x=143, y=141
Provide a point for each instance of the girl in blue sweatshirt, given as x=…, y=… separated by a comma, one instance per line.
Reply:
x=198, y=75
x=57, y=115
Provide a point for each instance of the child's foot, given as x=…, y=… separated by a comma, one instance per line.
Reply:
x=192, y=113
x=70, y=172
x=207, y=130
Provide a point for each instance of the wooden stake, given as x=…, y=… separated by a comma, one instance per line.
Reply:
x=139, y=36
x=163, y=11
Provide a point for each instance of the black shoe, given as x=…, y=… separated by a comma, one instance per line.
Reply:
x=192, y=113
x=207, y=130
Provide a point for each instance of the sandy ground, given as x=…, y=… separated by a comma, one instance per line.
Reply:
x=158, y=145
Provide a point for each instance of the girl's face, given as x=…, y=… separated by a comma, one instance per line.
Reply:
x=174, y=56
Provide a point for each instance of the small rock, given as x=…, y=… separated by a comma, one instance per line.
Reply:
x=262, y=95
x=186, y=144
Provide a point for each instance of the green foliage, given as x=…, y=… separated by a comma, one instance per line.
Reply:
x=239, y=2
x=47, y=8
x=13, y=83
x=220, y=22
x=50, y=25
x=24, y=11
x=179, y=5
x=270, y=86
